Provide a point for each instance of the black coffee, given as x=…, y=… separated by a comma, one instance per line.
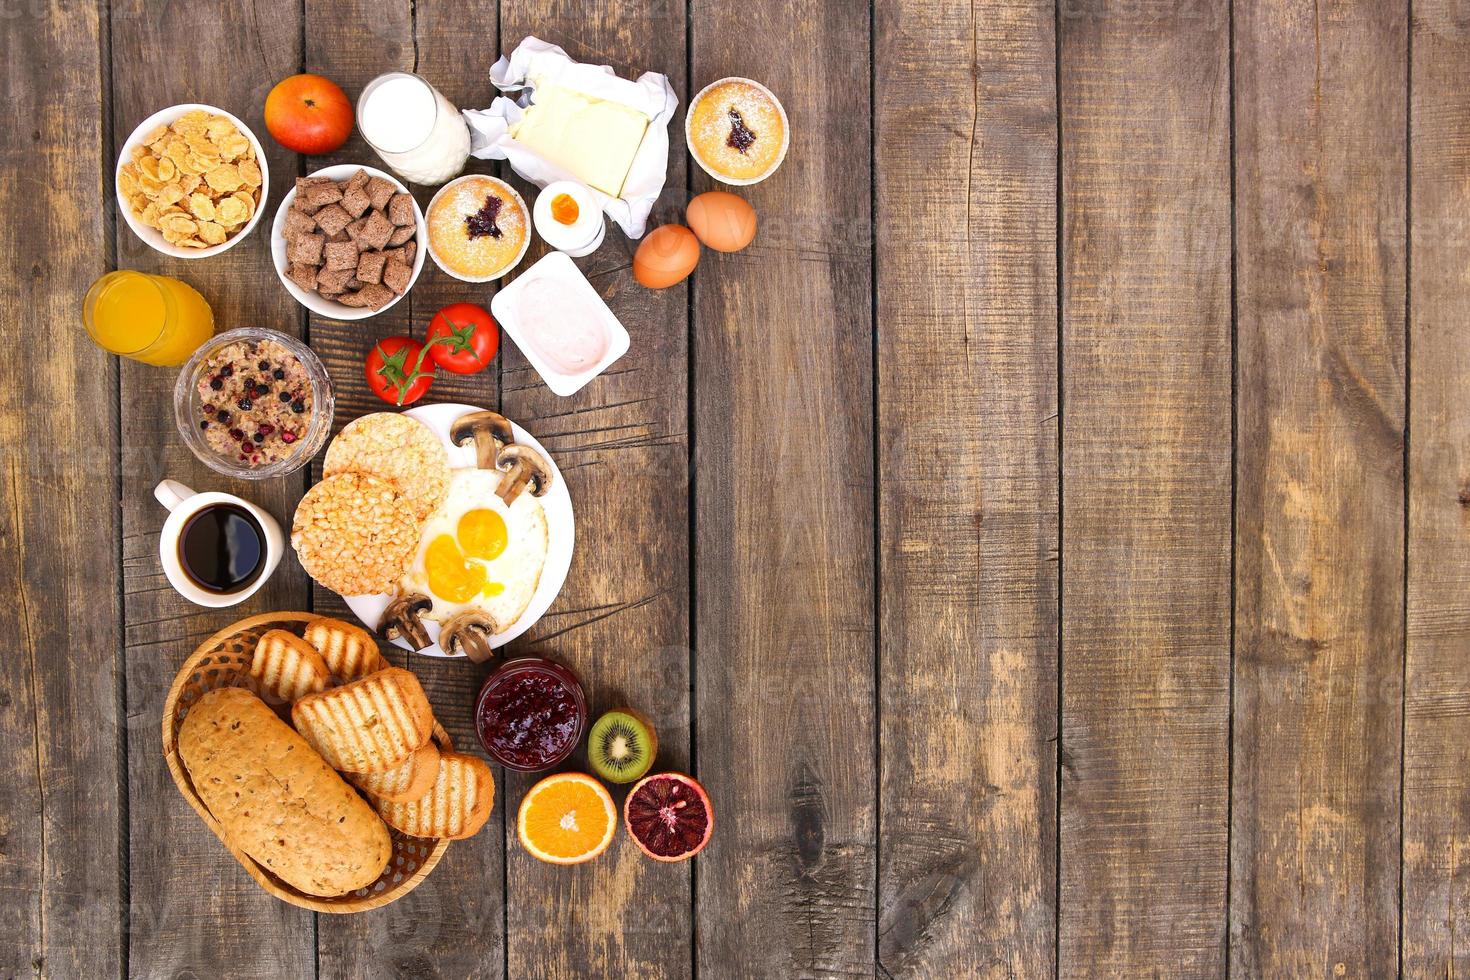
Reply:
x=222, y=548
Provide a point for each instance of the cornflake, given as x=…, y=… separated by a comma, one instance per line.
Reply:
x=196, y=180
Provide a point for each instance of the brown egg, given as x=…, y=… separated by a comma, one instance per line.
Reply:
x=666, y=256
x=722, y=221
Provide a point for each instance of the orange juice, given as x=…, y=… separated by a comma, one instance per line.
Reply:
x=153, y=319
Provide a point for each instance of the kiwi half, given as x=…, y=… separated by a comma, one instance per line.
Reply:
x=621, y=746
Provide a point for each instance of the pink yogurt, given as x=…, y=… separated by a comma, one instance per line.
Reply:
x=565, y=329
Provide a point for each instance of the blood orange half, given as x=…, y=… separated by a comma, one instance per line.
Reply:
x=669, y=816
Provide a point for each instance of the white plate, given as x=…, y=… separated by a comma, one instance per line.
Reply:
x=152, y=237
x=313, y=302
x=560, y=533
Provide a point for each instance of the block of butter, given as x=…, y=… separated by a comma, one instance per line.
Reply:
x=592, y=139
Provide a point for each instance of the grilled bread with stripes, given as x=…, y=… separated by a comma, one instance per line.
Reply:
x=369, y=725
x=456, y=807
x=404, y=783
x=350, y=651
x=287, y=666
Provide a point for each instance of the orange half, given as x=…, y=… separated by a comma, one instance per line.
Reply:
x=567, y=818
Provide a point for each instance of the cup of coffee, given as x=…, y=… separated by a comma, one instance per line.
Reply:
x=216, y=548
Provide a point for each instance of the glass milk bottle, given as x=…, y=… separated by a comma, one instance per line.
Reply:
x=417, y=131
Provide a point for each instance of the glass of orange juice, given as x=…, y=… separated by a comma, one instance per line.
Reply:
x=153, y=319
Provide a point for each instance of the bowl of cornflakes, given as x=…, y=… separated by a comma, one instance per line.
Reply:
x=192, y=180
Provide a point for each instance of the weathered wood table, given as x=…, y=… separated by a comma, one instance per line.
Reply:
x=1049, y=542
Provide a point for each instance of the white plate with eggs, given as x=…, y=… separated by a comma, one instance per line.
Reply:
x=472, y=490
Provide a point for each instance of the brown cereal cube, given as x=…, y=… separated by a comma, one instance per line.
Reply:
x=318, y=196
x=400, y=209
x=341, y=236
x=352, y=299
x=396, y=276
x=375, y=295
x=355, y=229
x=355, y=284
x=332, y=219
x=359, y=179
x=401, y=235
x=305, y=249
x=334, y=280
x=304, y=182
x=380, y=191
x=356, y=201
x=297, y=224
x=376, y=232
x=370, y=267
x=341, y=255
x=302, y=275
x=302, y=204
x=404, y=253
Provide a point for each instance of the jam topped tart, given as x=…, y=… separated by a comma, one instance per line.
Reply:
x=478, y=228
x=737, y=131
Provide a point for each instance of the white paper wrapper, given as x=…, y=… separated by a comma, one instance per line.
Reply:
x=651, y=95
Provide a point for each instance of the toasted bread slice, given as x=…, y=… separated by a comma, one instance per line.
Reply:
x=456, y=807
x=404, y=783
x=369, y=725
x=287, y=666
x=350, y=651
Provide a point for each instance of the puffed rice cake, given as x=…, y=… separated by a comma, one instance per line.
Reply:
x=355, y=534
x=396, y=448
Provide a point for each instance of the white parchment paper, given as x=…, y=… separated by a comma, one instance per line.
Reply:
x=651, y=95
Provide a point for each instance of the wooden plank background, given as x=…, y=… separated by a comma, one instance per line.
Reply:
x=1145, y=573
x=1048, y=542
x=1320, y=150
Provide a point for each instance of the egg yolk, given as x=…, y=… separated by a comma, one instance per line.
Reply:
x=564, y=209
x=494, y=588
x=450, y=577
x=482, y=534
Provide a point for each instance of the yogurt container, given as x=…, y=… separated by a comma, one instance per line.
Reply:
x=418, y=133
x=560, y=323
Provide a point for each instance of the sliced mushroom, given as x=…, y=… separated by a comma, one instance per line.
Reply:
x=489, y=431
x=402, y=619
x=469, y=634
x=522, y=465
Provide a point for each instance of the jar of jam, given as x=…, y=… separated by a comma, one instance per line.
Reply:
x=530, y=714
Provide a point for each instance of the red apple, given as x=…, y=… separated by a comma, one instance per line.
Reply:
x=308, y=114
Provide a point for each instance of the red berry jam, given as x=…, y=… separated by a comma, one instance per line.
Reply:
x=482, y=222
x=530, y=714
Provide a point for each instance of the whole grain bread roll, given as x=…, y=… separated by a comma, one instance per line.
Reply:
x=277, y=799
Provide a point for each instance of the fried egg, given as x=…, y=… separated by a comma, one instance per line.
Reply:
x=478, y=553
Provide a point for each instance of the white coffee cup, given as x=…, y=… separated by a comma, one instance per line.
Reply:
x=182, y=504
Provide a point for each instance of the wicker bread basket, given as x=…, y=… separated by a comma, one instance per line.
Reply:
x=223, y=660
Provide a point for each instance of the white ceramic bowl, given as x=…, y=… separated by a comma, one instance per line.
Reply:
x=326, y=307
x=725, y=178
x=152, y=237
x=525, y=211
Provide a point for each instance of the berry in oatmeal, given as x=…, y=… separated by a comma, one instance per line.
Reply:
x=255, y=432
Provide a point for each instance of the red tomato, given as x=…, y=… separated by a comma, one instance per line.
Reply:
x=398, y=370
x=463, y=338
x=308, y=114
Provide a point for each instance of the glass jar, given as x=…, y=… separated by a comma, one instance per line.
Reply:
x=530, y=714
x=416, y=131
x=201, y=432
x=152, y=319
